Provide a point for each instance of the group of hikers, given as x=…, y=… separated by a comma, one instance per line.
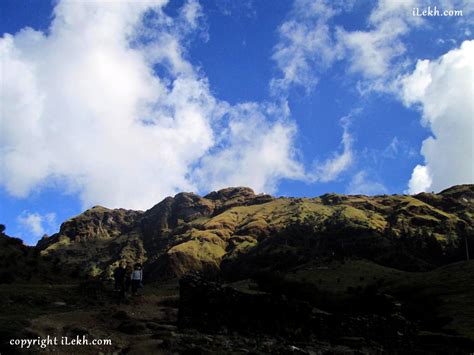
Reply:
x=127, y=277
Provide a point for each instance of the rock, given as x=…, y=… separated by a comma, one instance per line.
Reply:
x=96, y=222
x=172, y=211
x=236, y=196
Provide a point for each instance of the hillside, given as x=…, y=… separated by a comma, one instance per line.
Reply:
x=237, y=272
x=234, y=229
x=22, y=263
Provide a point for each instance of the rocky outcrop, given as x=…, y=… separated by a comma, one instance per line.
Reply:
x=100, y=222
x=96, y=223
x=173, y=211
x=236, y=196
x=186, y=207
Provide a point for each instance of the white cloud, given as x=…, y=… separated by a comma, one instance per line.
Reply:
x=37, y=224
x=443, y=91
x=363, y=185
x=310, y=43
x=389, y=9
x=82, y=105
x=192, y=12
x=420, y=180
x=306, y=46
x=339, y=162
x=372, y=52
x=261, y=151
x=375, y=53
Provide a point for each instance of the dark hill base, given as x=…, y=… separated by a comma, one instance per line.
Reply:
x=409, y=312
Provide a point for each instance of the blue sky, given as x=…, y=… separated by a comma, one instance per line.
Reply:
x=122, y=104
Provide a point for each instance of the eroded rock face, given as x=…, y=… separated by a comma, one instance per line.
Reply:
x=98, y=238
x=173, y=211
x=96, y=223
x=236, y=196
x=186, y=207
x=93, y=242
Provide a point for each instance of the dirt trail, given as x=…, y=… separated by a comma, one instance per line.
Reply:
x=141, y=325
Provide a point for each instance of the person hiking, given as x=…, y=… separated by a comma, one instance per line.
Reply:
x=119, y=277
x=136, y=278
x=128, y=276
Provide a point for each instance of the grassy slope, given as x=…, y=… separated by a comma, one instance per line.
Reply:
x=454, y=287
x=450, y=287
x=237, y=230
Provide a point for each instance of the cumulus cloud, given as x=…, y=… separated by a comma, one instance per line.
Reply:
x=442, y=90
x=420, y=180
x=84, y=105
x=260, y=150
x=36, y=224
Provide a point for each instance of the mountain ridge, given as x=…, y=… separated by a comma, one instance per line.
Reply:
x=188, y=232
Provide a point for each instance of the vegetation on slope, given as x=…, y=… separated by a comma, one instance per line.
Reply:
x=232, y=226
